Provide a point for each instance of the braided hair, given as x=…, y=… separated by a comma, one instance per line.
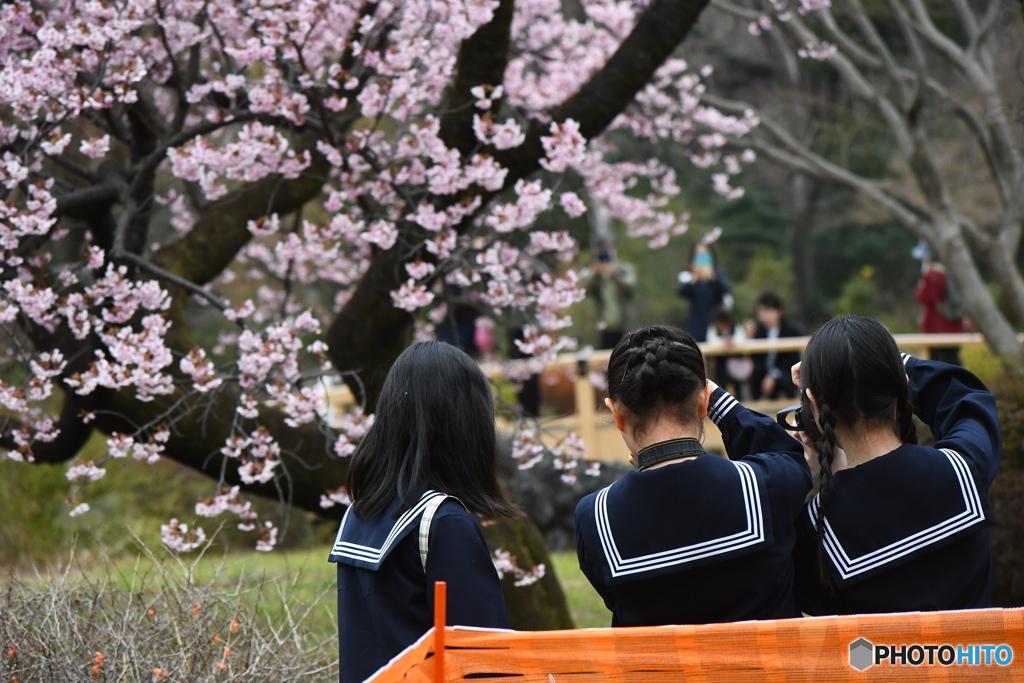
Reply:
x=657, y=370
x=853, y=367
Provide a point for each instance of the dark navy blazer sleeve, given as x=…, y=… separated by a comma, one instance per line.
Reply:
x=458, y=555
x=748, y=434
x=960, y=411
x=760, y=440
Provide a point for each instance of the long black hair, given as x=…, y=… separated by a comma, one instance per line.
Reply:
x=855, y=372
x=655, y=370
x=433, y=429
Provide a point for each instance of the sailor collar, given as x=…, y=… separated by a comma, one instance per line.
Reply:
x=367, y=543
x=945, y=503
x=664, y=451
x=612, y=521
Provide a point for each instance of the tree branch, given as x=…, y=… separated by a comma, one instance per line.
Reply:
x=658, y=32
x=170, y=277
x=73, y=435
x=858, y=83
x=82, y=203
x=483, y=58
x=791, y=153
x=222, y=230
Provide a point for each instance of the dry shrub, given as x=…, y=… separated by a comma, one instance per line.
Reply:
x=158, y=625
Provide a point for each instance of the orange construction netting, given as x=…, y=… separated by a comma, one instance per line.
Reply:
x=964, y=645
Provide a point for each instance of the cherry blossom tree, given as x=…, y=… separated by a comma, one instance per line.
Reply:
x=210, y=207
x=933, y=88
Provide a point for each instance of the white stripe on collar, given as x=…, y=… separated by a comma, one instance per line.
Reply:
x=971, y=515
x=354, y=551
x=754, y=533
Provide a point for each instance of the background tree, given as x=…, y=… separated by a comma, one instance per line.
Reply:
x=208, y=207
x=915, y=108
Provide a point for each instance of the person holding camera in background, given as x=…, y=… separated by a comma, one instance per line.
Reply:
x=705, y=285
x=891, y=526
x=610, y=283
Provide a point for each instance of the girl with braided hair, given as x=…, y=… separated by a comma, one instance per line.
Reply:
x=691, y=537
x=891, y=525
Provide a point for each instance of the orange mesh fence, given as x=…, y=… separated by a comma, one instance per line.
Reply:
x=935, y=646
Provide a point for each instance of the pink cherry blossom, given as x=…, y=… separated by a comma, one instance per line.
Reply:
x=324, y=92
x=179, y=538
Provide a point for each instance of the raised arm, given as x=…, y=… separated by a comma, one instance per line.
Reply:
x=758, y=439
x=960, y=411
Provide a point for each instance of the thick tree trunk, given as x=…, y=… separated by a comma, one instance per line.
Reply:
x=540, y=606
x=803, y=211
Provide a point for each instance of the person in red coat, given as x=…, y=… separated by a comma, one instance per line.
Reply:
x=931, y=292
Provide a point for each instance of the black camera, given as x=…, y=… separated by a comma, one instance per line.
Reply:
x=791, y=418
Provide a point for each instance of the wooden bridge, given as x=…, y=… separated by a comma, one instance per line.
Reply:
x=572, y=403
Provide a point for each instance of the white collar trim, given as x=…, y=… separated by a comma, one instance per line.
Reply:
x=354, y=551
x=754, y=533
x=971, y=515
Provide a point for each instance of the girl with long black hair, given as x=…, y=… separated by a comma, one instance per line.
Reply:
x=892, y=526
x=428, y=462
x=691, y=537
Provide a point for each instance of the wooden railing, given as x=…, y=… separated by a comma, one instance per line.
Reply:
x=593, y=424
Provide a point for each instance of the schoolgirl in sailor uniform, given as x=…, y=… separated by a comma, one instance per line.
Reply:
x=690, y=537
x=428, y=461
x=893, y=526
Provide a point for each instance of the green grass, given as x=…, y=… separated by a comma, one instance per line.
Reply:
x=585, y=605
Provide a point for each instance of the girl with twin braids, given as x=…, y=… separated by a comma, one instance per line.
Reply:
x=892, y=525
x=691, y=537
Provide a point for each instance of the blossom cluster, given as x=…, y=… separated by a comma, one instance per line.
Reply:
x=783, y=11
x=505, y=565
x=571, y=456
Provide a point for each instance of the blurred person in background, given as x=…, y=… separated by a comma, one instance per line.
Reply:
x=705, y=285
x=941, y=311
x=610, y=283
x=771, y=378
x=732, y=372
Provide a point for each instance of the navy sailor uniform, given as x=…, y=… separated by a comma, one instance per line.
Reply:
x=386, y=600
x=908, y=531
x=702, y=540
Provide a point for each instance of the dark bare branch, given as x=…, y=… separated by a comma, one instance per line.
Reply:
x=222, y=230
x=483, y=58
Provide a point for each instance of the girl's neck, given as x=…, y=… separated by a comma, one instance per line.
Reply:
x=865, y=444
x=660, y=431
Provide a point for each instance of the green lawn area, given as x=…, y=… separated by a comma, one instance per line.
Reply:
x=586, y=606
